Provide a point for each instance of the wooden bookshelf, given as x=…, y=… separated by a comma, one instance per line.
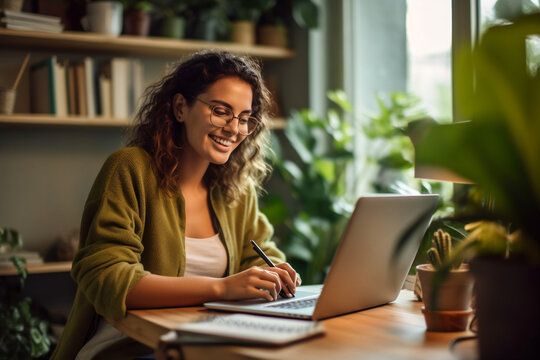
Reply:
x=51, y=120
x=83, y=121
x=85, y=42
x=45, y=268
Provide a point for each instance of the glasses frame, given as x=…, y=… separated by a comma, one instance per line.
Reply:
x=213, y=106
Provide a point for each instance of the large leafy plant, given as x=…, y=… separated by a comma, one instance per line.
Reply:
x=392, y=151
x=498, y=149
x=317, y=181
x=22, y=335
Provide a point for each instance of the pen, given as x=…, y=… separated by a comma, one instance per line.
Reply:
x=261, y=253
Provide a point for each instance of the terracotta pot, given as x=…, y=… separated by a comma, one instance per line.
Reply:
x=507, y=307
x=454, y=293
x=451, y=309
x=137, y=22
x=243, y=32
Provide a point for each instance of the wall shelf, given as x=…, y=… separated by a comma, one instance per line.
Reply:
x=16, y=120
x=45, y=268
x=78, y=41
x=50, y=120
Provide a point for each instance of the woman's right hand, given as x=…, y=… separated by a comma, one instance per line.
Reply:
x=254, y=282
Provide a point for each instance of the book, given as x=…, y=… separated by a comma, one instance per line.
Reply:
x=89, y=82
x=71, y=90
x=20, y=20
x=60, y=88
x=17, y=24
x=245, y=328
x=32, y=257
x=23, y=15
x=48, y=91
x=42, y=87
x=80, y=89
x=136, y=85
x=120, y=83
x=105, y=96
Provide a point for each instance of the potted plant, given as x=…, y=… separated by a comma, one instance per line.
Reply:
x=446, y=301
x=173, y=17
x=22, y=335
x=104, y=17
x=207, y=20
x=498, y=151
x=244, y=15
x=272, y=27
x=137, y=17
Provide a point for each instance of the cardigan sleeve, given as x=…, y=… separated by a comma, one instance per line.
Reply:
x=108, y=263
x=259, y=229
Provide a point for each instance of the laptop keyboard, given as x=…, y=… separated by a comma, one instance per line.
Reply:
x=297, y=304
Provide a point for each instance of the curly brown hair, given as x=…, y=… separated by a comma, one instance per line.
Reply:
x=157, y=132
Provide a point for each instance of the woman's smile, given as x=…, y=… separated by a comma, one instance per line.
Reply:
x=221, y=141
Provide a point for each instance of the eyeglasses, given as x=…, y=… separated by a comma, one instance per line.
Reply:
x=221, y=116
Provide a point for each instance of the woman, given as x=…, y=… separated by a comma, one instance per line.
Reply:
x=169, y=219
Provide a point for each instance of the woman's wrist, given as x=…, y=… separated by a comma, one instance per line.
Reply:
x=218, y=288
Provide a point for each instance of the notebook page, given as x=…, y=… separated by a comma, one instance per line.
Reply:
x=253, y=328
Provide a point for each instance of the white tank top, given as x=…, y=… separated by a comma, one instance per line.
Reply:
x=205, y=257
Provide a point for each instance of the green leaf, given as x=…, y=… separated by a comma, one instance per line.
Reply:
x=19, y=263
x=296, y=134
x=297, y=249
x=35, y=335
x=305, y=13
x=326, y=168
x=340, y=98
x=334, y=121
x=292, y=171
x=303, y=228
x=395, y=160
x=276, y=152
x=274, y=208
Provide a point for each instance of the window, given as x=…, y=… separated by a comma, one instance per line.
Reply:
x=395, y=46
x=429, y=46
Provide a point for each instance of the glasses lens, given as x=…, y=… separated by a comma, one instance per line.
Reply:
x=247, y=125
x=222, y=115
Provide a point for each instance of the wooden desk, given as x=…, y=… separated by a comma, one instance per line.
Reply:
x=393, y=331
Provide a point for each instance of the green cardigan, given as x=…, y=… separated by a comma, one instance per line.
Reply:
x=130, y=228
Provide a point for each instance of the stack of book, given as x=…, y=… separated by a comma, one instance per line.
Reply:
x=32, y=257
x=19, y=20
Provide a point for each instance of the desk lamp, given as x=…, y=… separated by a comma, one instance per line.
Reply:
x=453, y=310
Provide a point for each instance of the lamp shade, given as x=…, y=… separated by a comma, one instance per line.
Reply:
x=424, y=167
x=431, y=172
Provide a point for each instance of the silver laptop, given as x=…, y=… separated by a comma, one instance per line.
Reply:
x=366, y=270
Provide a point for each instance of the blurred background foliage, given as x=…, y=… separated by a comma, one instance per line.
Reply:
x=315, y=167
x=323, y=149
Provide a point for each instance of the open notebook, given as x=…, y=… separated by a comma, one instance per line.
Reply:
x=248, y=329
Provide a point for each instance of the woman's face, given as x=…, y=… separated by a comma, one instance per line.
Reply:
x=205, y=142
